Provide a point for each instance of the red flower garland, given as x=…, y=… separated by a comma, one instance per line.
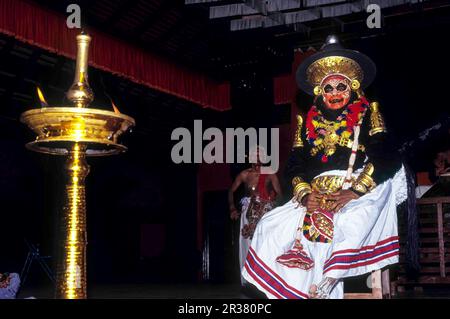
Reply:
x=310, y=129
x=352, y=118
x=354, y=111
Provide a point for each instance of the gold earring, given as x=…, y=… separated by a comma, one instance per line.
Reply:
x=355, y=85
x=317, y=90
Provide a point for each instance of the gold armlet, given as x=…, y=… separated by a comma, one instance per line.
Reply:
x=365, y=183
x=376, y=119
x=298, y=133
x=301, y=188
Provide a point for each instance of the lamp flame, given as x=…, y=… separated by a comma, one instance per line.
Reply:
x=116, y=110
x=41, y=97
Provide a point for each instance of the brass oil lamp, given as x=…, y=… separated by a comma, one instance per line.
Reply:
x=76, y=132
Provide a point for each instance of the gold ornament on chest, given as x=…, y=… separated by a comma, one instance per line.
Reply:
x=329, y=142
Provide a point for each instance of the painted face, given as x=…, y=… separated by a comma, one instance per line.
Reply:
x=336, y=91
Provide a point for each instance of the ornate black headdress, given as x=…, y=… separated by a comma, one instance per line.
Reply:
x=334, y=59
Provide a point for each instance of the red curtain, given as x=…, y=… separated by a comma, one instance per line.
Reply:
x=285, y=89
x=30, y=23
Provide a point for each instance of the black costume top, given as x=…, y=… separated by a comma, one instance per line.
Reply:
x=379, y=150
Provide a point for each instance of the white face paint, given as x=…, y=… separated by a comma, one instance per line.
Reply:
x=336, y=91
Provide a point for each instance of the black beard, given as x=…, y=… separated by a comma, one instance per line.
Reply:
x=331, y=114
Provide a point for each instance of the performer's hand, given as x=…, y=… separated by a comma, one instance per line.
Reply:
x=234, y=213
x=312, y=201
x=342, y=198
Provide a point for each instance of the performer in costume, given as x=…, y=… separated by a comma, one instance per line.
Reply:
x=262, y=190
x=347, y=181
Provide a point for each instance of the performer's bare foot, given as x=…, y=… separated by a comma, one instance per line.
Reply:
x=313, y=291
x=323, y=290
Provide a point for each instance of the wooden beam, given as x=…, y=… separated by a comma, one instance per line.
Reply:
x=434, y=200
x=440, y=219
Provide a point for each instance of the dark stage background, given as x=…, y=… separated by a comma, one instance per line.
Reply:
x=142, y=209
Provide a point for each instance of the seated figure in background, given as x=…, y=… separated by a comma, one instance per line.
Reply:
x=261, y=192
x=442, y=163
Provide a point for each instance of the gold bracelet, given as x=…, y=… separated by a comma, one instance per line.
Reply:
x=301, y=186
x=299, y=197
x=296, y=180
x=298, y=133
x=365, y=183
x=360, y=188
x=376, y=120
x=302, y=194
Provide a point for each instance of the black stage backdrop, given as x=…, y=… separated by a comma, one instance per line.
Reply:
x=142, y=208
